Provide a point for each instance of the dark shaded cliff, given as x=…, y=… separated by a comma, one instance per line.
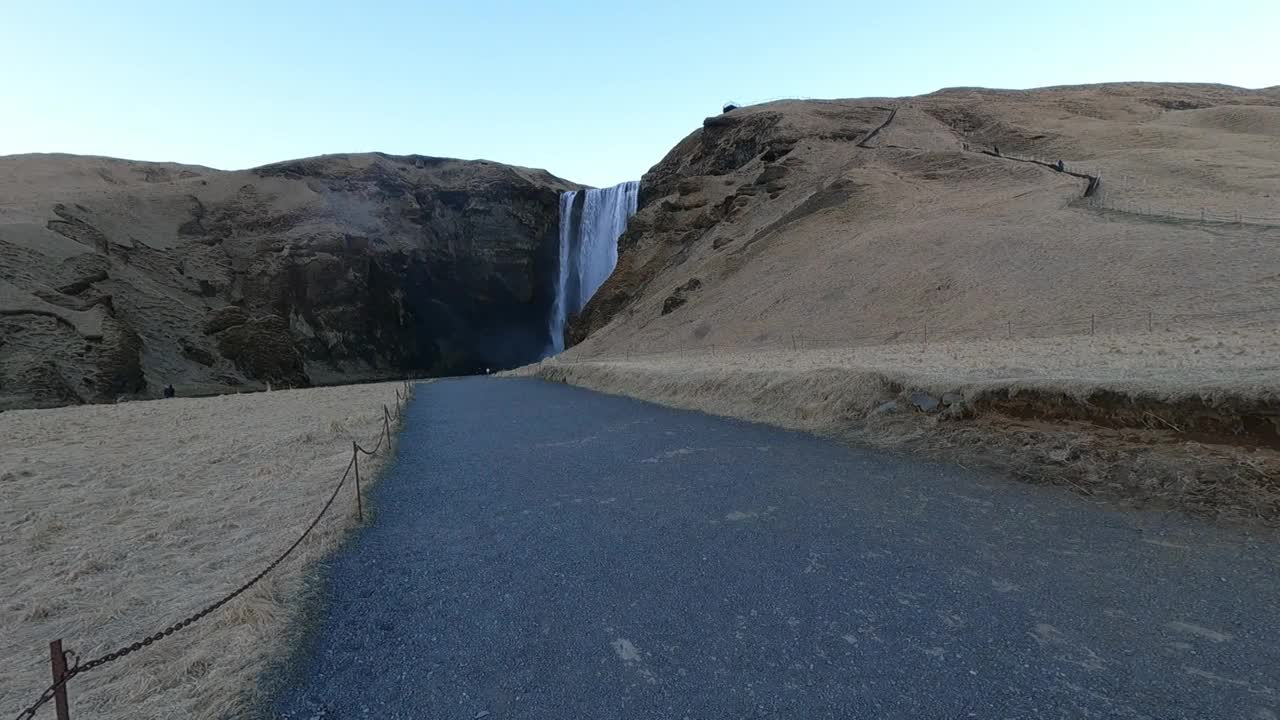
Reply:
x=119, y=277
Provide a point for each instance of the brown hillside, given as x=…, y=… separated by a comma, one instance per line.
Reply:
x=784, y=220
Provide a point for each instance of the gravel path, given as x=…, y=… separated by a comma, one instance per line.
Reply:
x=542, y=551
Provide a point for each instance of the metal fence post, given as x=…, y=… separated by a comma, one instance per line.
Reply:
x=1093, y=320
x=355, y=454
x=58, y=661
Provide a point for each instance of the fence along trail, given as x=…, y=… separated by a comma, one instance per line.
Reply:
x=66, y=665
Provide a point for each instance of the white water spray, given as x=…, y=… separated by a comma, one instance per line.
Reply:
x=588, y=248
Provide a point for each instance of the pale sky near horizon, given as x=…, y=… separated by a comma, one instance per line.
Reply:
x=594, y=92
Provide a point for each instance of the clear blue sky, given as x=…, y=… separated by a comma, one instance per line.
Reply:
x=595, y=92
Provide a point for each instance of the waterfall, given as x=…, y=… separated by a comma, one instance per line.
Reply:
x=591, y=222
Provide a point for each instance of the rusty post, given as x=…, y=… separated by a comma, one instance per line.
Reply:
x=59, y=664
x=355, y=453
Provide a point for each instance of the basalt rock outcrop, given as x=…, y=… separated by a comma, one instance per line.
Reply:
x=119, y=277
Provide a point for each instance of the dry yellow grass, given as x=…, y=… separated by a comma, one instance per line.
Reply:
x=1159, y=398
x=816, y=389
x=117, y=520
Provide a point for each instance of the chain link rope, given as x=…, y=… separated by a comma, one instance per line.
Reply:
x=76, y=668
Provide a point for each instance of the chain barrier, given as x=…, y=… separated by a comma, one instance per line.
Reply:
x=76, y=668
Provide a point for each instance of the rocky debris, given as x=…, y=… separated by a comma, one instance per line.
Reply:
x=83, y=284
x=118, y=368
x=224, y=318
x=777, y=150
x=772, y=173
x=769, y=178
x=888, y=408
x=196, y=353
x=723, y=144
x=925, y=402
x=1178, y=104
x=680, y=296
x=682, y=205
x=950, y=406
x=74, y=228
x=688, y=187
x=264, y=349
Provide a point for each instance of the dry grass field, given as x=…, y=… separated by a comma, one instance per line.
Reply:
x=838, y=240
x=1169, y=363
x=117, y=520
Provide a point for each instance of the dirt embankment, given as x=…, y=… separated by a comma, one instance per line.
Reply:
x=118, y=520
x=1146, y=427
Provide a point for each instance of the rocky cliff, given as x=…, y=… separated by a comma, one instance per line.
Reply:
x=119, y=277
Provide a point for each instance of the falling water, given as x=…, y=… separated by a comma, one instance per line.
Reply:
x=589, y=230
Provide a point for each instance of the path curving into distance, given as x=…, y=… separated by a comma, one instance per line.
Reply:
x=543, y=551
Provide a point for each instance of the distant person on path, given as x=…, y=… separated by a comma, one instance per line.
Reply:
x=169, y=391
x=1061, y=166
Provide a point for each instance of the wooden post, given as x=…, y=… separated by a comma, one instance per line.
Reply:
x=355, y=453
x=926, y=333
x=1148, y=321
x=386, y=423
x=793, y=343
x=1010, y=328
x=1092, y=322
x=58, y=661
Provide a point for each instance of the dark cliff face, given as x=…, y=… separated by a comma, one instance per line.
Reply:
x=448, y=276
x=316, y=271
